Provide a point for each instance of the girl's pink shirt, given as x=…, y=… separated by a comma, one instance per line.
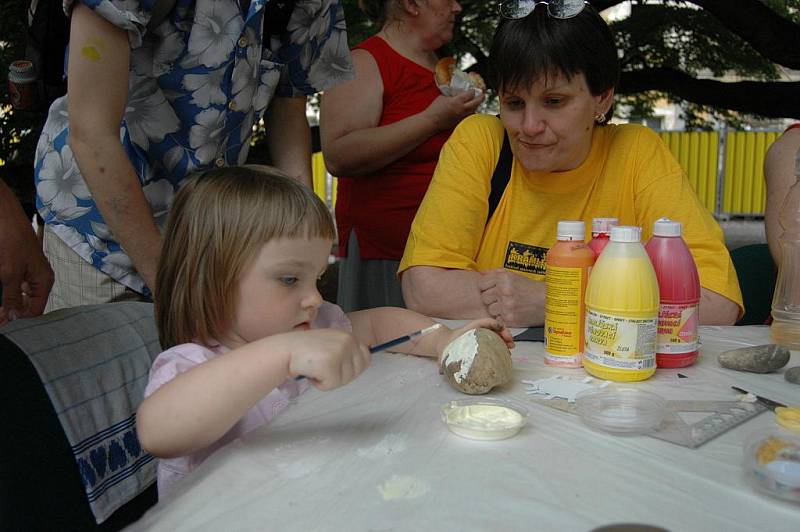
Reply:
x=182, y=358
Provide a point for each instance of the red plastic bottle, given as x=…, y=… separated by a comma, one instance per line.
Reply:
x=679, y=287
x=601, y=231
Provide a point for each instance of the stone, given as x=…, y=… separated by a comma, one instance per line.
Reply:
x=477, y=361
x=793, y=375
x=757, y=359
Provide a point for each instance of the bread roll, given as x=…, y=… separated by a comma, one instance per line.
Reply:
x=446, y=69
x=477, y=80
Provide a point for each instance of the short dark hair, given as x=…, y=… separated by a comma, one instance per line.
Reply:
x=539, y=45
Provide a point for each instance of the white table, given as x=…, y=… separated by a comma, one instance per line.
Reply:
x=375, y=455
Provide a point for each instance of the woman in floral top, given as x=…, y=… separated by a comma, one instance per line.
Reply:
x=150, y=104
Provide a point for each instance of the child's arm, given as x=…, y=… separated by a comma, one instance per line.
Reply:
x=198, y=407
x=380, y=325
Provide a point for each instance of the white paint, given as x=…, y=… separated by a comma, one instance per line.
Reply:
x=463, y=349
x=484, y=422
x=391, y=444
x=302, y=466
x=402, y=487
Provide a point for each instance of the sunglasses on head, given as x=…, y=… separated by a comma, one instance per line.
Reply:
x=560, y=9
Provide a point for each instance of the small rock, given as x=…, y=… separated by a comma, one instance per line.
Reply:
x=756, y=359
x=793, y=375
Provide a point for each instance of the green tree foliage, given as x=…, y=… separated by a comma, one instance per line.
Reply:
x=18, y=131
x=669, y=49
x=673, y=49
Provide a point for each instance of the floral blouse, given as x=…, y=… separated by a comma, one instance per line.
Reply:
x=198, y=83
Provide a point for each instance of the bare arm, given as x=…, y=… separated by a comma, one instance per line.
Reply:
x=198, y=407
x=779, y=175
x=444, y=293
x=352, y=142
x=378, y=325
x=289, y=137
x=23, y=266
x=716, y=309
x=97, y=94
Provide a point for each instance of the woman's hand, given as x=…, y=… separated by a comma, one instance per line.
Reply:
x=447, y=111
x=514, y=300
x=329, y=358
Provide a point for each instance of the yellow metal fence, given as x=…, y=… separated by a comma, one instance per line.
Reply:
x=726, y=170
x=728, y=176
x=745, y=190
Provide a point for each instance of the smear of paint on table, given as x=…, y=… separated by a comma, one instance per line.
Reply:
x=391, y=444
x=403, y=487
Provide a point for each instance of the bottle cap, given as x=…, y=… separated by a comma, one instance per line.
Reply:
x=626, y=233
x=21, y=71
x=667, y=227
x=571, y=230
x=603, y=225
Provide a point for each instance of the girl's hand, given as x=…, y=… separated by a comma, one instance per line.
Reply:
x=484, y=323
x=329, y=358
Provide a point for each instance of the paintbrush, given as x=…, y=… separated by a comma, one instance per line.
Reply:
x=397, y=341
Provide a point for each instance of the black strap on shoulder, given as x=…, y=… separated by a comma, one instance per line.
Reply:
x=501, y=176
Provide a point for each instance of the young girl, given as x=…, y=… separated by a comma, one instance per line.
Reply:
x=239, y=313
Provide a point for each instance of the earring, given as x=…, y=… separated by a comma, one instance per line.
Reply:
x=599, y=118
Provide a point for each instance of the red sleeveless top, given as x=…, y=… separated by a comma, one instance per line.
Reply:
x=380, y=206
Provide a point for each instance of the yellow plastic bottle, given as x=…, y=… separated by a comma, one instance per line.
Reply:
x=568, y=264
x=622, y=311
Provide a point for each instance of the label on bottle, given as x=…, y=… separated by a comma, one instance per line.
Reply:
x=562, y=311
x=677, y=329
x=620, y=342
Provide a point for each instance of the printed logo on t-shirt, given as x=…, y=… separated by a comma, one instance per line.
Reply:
x=525, y=258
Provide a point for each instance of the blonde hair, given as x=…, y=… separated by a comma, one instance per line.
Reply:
x=218, y=222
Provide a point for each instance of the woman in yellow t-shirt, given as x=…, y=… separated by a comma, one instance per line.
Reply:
x=555, y=69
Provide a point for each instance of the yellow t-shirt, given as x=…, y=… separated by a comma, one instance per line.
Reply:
x=629, y=174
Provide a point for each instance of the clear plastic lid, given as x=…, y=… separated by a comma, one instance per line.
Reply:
x=571, y=230
x=771, y=463
x=621, y=410
x=626, y=233
x=484, y=419
x=667, y=227
x=603, y=225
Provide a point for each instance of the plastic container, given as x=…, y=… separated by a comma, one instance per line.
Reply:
x=622, y=311
x=568, y=264
x=484, y=419
x=679, y=290
x=621, y=410
x=785, y=329
x=771, y=463
x=601, y=233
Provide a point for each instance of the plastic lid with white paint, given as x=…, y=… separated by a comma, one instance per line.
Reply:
x=484, y=419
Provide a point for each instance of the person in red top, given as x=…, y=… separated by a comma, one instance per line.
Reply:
x=381, y=135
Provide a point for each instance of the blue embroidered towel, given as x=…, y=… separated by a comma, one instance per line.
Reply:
x=93, y=362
